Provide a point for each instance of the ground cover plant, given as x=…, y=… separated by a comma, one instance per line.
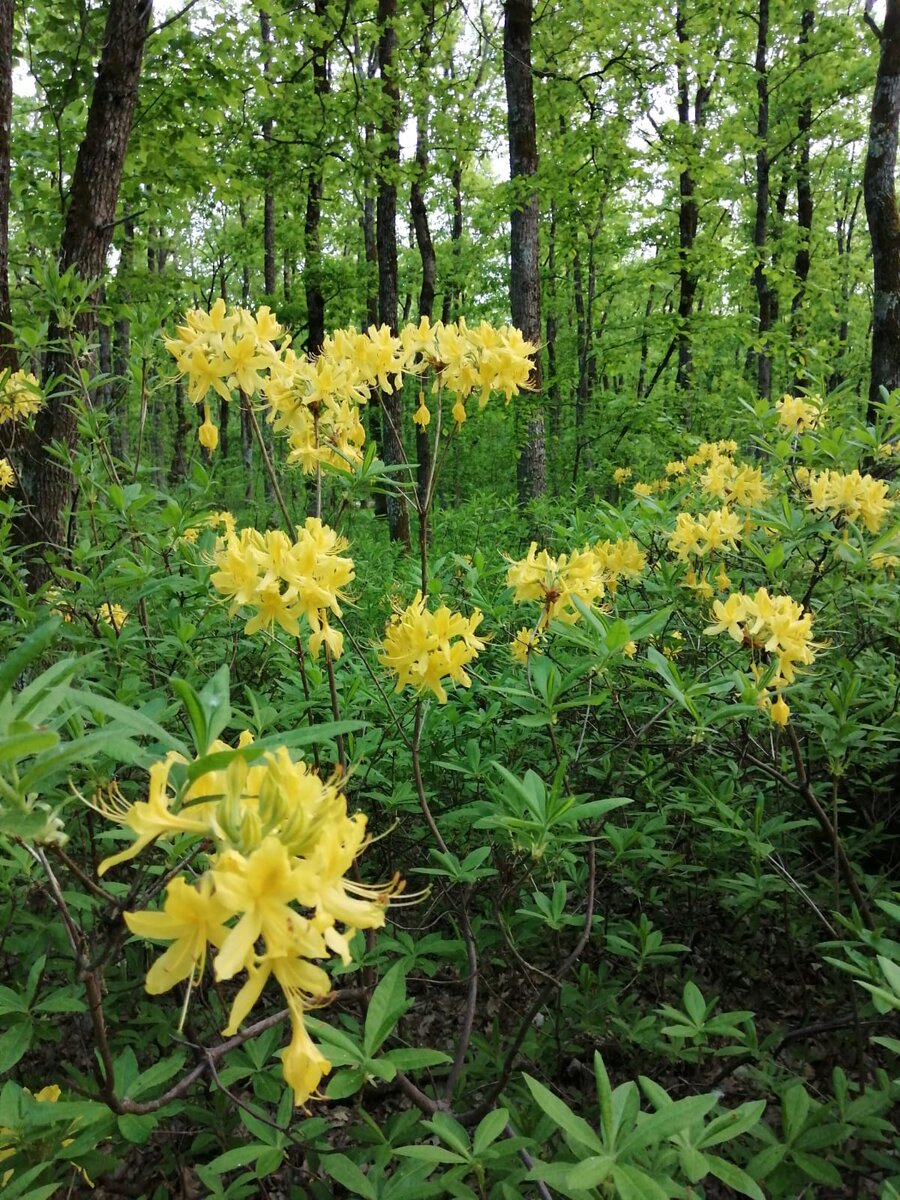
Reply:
x=624, y=922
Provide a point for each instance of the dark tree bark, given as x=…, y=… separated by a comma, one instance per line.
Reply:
x=419, y=215
x=804, y=209
x=312, y=238
x=525, y=272
x=552, y=365
x=453, y=290
x=879, y=188
x=90, y=220
x=265, y=33
x=9, y=360
x=386, y=234
x=845, y=228
x=688, y=213
x=760, y=275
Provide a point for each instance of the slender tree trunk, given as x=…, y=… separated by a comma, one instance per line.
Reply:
x=760, y=275
x=804, y=210
x=265, y=33
x=90, y=220
x=121, y=361
x=180, y=432
x=879, y=187
x=552, y=365
x=386, y=233
x=9, y=359
x=453, y=290
x=525, y=276
x=419, y=216
x=312, y=238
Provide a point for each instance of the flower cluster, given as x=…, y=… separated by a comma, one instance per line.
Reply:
x=732, y=484
x=775, y=625
x=423, y=648
x=112, y=614
x=699, y=536
x=223, y=351
x=274, y=899
x=284, y=580
x=585, y=575
x=316, y=402
x=7, y=475
x=20, y=396
x=797, y=415
x=854, y=496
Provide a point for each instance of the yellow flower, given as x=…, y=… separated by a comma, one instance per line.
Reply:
x=112, y=614
x=854, y=496
x=526, y=642
x=7, y=475
x=20, y=396
x=209, y=433
x=797, y=415
x=643, y=489
x=779, y=712
x=459, y=411
x=191, y=917
x=423, y=648
x=629, y=649
x=621, y=474
x=422, y=416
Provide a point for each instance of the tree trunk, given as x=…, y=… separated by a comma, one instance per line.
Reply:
x=525, y=276
x=90, y=220
x=804, y=211
x=265, y=33
x=9, y=359
x=880, y=193
x=180, y=431
x=453, y=289
x=121, y=361
x=419, y=215
x=312, y=238
x=760, y=275
x=386, y=234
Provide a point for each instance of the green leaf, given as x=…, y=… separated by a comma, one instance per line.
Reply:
x=591, y=1171
x=195, y=713
x=675, y=1117
x=13, y=1044
x=489, y=1129
x=732, y=1124
x=137, y=1129
x=20, y=745
x=573, y=1126
x=817, y=1168
x=387, y=1006
x=30, y=648
x=343, y=1170
x=795, y=1106
x=734, y=1177
x=427, y=1153
x=239, y=1156
x=411, y=1058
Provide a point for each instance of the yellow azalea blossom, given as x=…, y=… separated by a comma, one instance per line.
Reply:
x=7, y=475
x=285, y=580
x=209, y=433
x=621, y=474
x=422, y=416
x=853, y=496
x=191, y=918
x=148, y=819
x=113, y=614
x=797, y=415
x=629, y=649
x=775, y=625
x=642, y=489
x=526, y=642
x=459, y=412
x=20, y=396
x=423, y=648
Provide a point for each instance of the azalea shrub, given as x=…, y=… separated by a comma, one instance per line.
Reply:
x=554, y=856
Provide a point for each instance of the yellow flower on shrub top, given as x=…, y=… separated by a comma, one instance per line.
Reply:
x=622, y=475
x=191, y=918
x=676, y=468
x=286, y=580
x=526, y=642
x=274, y=900
x=584, y=574
x=208, y=433
x=775, y=625
x=423, y=648
x=113, y=614
x=422, y=416
x=797, y=415
x=730, y=483
x=642, y=489
x=854, y=496
x=20, y=396
x=698, y=536
x=7, y=475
